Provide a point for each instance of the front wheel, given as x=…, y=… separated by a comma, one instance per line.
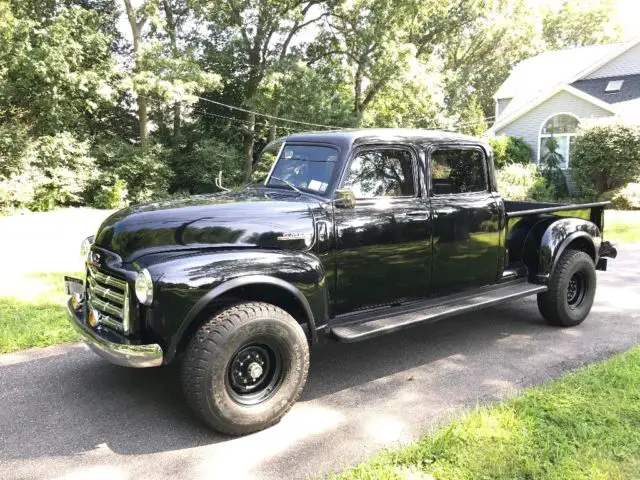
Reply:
x=245, y=368
x=572, y=287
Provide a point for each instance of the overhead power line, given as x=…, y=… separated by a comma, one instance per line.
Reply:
x=266, y=115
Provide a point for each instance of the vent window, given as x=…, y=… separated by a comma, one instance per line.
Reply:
x=614, y=86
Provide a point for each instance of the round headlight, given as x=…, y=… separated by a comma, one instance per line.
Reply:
x=85, y=246
x=144, y=287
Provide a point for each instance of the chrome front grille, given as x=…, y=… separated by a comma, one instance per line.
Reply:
x=109, y=296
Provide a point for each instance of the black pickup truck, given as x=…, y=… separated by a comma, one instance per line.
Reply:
x=352, y=234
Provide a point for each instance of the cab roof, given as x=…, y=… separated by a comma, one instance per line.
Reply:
x=352, y=137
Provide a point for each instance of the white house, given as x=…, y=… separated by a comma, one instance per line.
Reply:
x=552, y=93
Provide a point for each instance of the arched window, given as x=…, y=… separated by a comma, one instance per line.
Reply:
x=557, y=135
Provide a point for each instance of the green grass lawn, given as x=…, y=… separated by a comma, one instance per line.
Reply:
x=33, y=312
x=583, y=425
x=622, y=226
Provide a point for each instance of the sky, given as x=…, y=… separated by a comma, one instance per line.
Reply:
x=629, y=14
x=627, y=11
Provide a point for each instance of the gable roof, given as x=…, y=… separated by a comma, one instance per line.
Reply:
x=549, y=68
x=515, y=114
x=538, y=78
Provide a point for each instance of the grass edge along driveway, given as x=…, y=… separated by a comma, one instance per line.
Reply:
x=585, y=424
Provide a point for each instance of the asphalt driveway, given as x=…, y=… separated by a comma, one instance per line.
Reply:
x=65, y=413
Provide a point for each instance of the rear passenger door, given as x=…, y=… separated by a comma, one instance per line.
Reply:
x=465, y=216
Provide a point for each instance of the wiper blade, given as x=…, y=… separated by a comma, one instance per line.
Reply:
x=287, y=183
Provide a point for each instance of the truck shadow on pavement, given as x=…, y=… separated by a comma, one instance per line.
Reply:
x=78, y=403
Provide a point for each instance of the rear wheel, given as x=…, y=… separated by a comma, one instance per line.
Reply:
x=572, y=287
x=245, y=368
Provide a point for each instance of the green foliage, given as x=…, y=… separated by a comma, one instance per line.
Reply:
x=605, y=157
x=573, y=24
x=144, y=170
x=515, y=181
x=83, y=109
x=523, y=182
x=51, y=171
x=196, y=170
x=108, y=193
x=55, y=71
x=508, y=150
x=623, y=198
x=555, y=181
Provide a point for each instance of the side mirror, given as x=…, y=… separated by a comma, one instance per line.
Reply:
x=344, y=198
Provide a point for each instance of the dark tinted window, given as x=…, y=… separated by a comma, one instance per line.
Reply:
x=381, y=173
x=457, y=171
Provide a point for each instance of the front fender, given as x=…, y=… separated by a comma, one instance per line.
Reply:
x=186, y=285
x=547, y=240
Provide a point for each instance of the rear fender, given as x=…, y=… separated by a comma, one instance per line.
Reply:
x=547, y=240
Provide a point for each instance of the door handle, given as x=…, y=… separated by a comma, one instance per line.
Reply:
x=412, y=214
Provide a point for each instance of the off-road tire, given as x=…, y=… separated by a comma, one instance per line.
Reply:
x=557, y=305
x=207, y=369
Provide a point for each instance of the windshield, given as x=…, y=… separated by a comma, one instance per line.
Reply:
x=306, y=167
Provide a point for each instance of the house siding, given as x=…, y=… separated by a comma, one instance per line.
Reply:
x=501, y=105
x=626, y=64
x=528, y=125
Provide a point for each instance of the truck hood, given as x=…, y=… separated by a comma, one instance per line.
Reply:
x=252, y=218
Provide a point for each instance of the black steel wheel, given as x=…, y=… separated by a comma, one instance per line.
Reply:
x=255, y=372
x=572, y=287
x=245, y=368
x=577, y=289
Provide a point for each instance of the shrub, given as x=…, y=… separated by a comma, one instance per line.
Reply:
x=508, y=150
x=605, y=157
x=514, y=181
x=549, y=169
x=196, y=170
x=624, y=198
x=51, y=171
x=523, y=182
x=543, y=191
x=144, y=170
x=110, y=192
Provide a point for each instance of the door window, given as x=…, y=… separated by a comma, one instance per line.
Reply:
x=381, y=173
x=457, y=171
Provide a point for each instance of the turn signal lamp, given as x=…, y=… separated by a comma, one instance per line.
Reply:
x=92, y=319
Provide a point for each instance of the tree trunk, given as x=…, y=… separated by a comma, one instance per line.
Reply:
x=143, y=121
x=272, y=132
x=247, y=144
x=177, y=107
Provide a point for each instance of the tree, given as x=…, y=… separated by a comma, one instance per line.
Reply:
x=483, y=42
x=371, y=40
x=138, y=18
x=574, y=23
x=258, y=33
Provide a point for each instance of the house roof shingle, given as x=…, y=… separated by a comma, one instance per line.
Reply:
x=595, y=87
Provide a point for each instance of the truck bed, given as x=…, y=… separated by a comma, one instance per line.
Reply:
x=526, y=208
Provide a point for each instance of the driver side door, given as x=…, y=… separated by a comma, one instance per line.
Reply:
x=383, y=253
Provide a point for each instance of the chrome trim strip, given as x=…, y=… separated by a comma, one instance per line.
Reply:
x=105, y=292
x=107, y=279
x=137, y=356
x=107, y=307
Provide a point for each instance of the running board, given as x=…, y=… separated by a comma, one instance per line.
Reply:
x=397, y=318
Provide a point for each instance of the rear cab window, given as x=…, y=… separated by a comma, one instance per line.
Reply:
x=458, y=170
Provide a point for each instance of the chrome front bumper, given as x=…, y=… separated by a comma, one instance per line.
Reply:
x=126, y=355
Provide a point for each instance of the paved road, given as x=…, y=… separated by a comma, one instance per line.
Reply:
x=65, y=413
